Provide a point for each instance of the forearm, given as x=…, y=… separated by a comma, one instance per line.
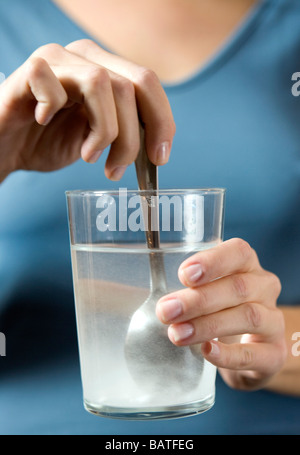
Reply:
x=288, y=379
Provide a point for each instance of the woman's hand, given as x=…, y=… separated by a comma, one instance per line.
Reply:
x=66, y=102
x=229, y=296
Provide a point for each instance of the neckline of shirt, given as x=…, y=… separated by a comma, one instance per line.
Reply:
x=226, y=51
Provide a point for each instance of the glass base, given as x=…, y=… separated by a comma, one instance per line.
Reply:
x=152, y=413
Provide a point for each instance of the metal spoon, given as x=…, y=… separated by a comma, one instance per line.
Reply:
x=155, y=363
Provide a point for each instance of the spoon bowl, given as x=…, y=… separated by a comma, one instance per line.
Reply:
x=155, y=363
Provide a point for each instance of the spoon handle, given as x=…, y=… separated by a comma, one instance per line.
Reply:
x=147, y=176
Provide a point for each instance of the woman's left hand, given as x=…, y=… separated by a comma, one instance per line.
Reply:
x=229, y=297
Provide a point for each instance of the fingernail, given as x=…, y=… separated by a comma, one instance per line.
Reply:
x=118, y=172
x=212, y=349
x=94, y=158
x=181, y=332
x=170, y=309
x=192, y=273
x=162, y=153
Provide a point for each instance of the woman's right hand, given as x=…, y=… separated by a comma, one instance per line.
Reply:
x=63, y=103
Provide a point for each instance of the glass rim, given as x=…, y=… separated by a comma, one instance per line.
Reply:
x=160, y=191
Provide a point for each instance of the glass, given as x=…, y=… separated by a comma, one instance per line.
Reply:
x=112, y=277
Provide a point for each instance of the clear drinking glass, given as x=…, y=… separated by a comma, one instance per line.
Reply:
x=112, y=277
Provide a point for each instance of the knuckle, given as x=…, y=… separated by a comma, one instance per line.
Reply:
x=146, y=78
x=50, y=50
x=240, y=286
x=275, y=284
x=35, y=66
x=80, y=45
x=97, y=77
x=38, y=68
x=61, y=97
x=110, y=133
x=253, y=315
x=173, y=127
x=243, y=248
x=247, y=358
x=124, y=89
x=113, y=133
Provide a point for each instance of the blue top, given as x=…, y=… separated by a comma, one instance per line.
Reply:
x=238, y=128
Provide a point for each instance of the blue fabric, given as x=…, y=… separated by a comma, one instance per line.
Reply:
x=238, y=128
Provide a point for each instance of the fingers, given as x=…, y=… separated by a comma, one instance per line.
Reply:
x=260, y=357
x=91, y=86
x=33, y=85
x=152, y=103
x=115, y=95
x=125, y=148
x=217, y=295
x=46, y=89
x=251, y=318
x=232, y=256
x=156, y=115
x=230, y=294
